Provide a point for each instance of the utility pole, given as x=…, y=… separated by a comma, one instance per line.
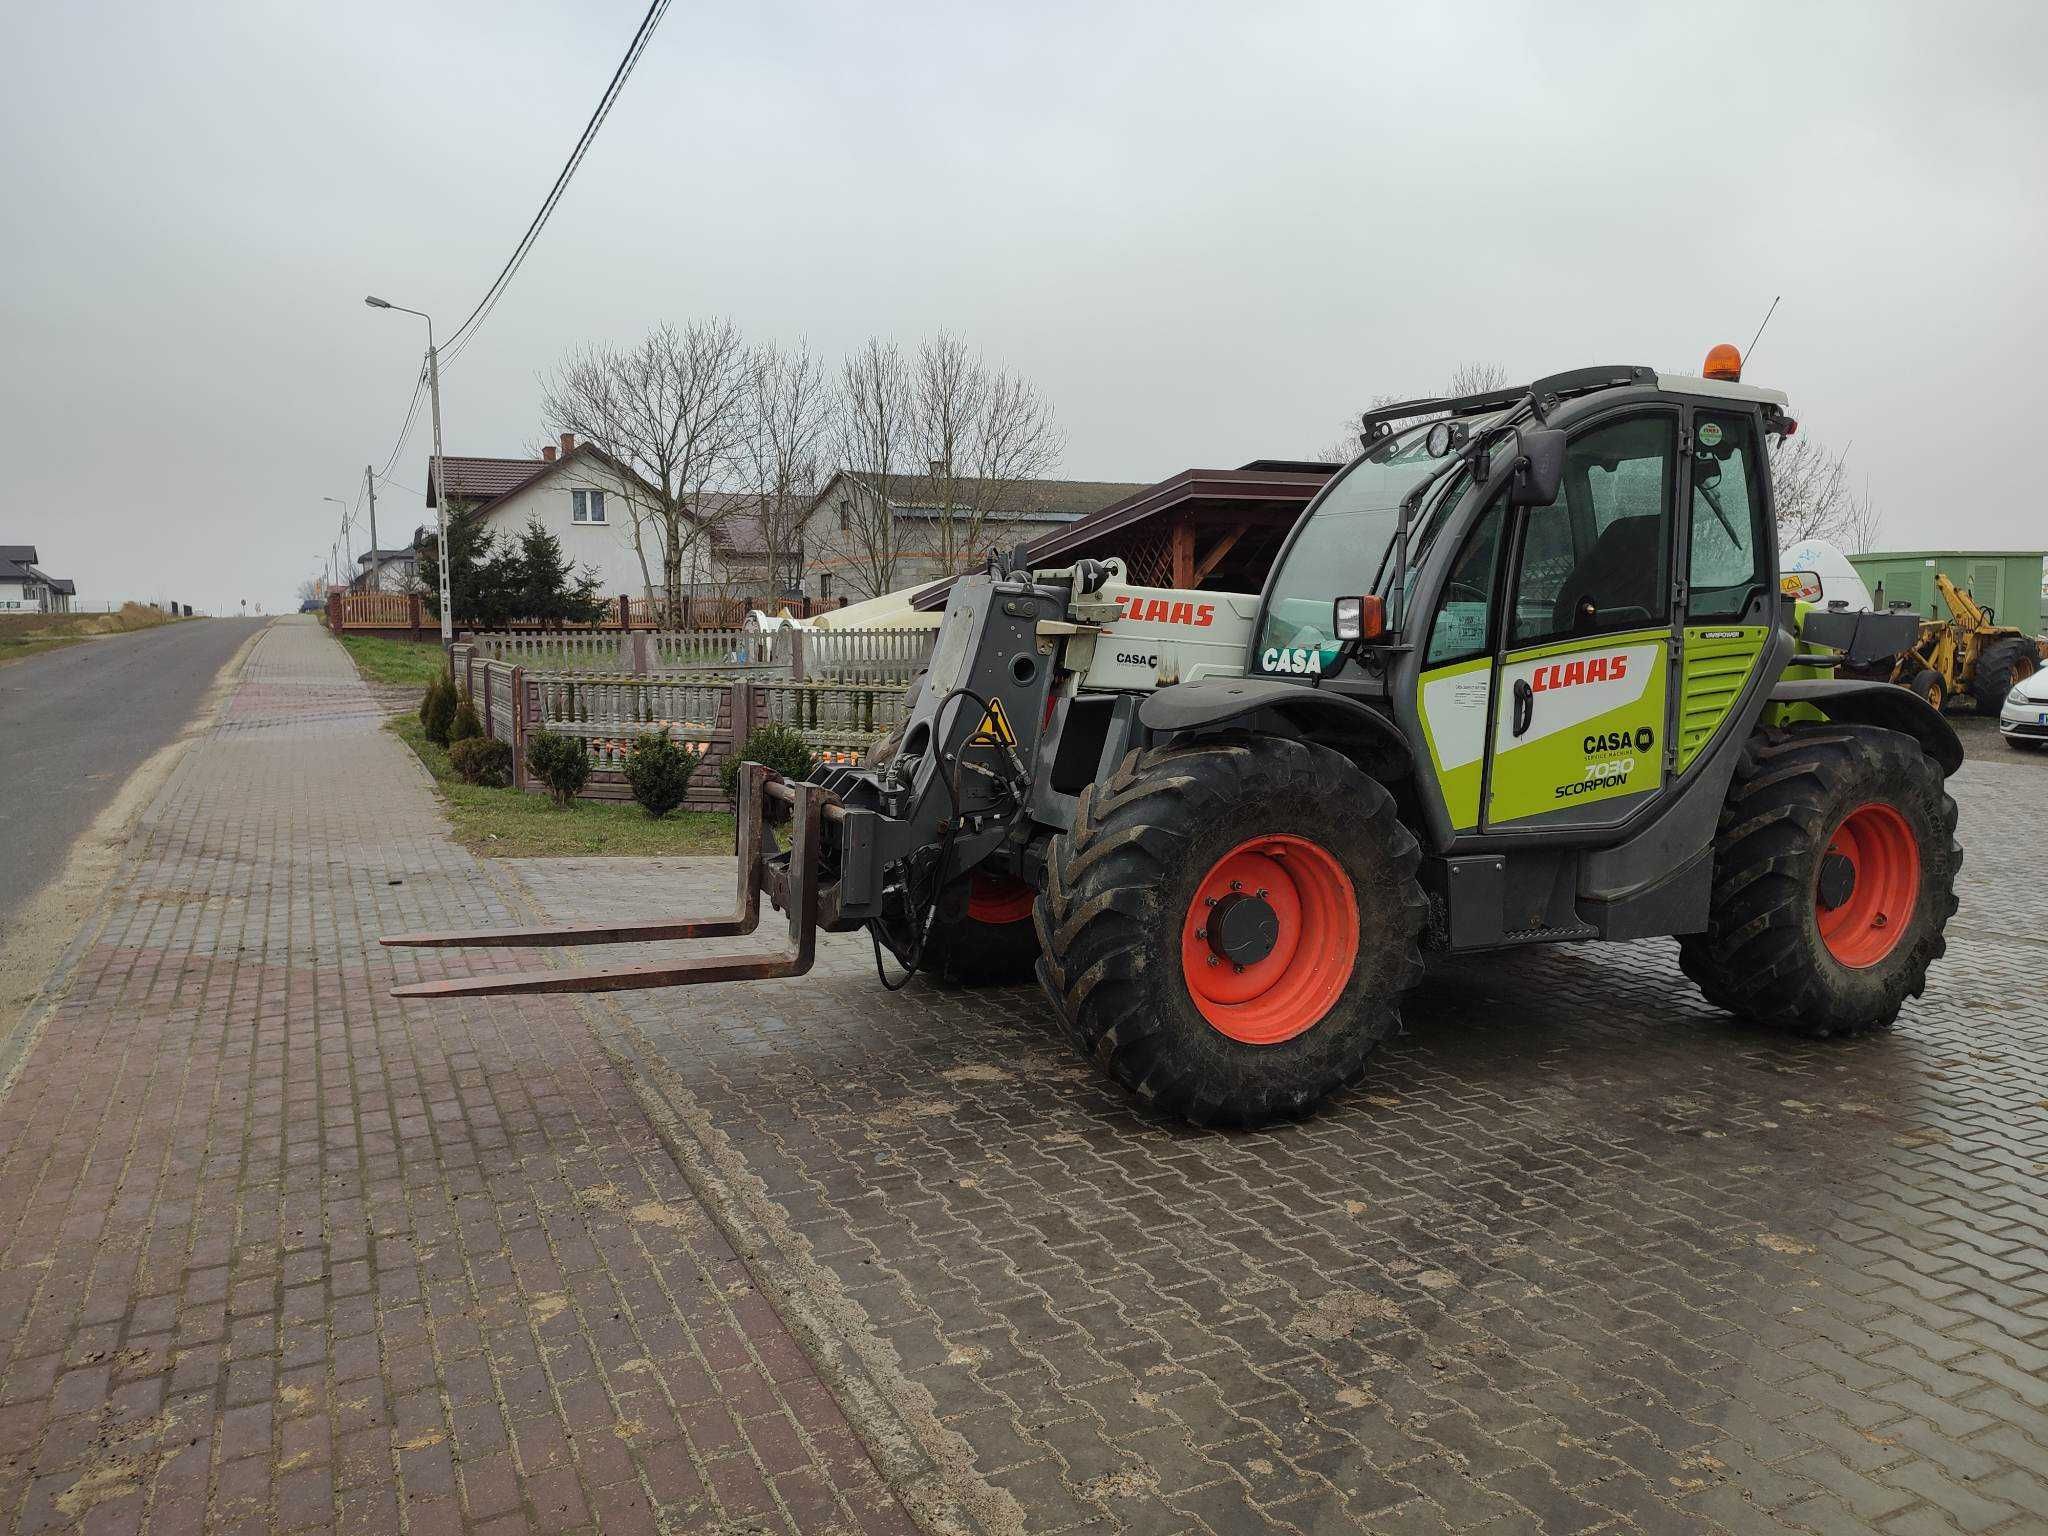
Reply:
x=440, y=486
x=376, y=561
x=440, y=463
x=348, y=570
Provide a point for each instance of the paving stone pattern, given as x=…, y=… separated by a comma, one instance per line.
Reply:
x=277, y=1253
x=1581, y=1254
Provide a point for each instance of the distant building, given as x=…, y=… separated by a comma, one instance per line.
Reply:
x=2010, y=582
x=1218, y=529
x=867, y=530
x=26, y=589
x=587, y=500
x=386, y=570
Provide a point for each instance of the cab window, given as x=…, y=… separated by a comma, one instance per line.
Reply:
x=1728, y=536
x=1459, y=630
x=1598, y=558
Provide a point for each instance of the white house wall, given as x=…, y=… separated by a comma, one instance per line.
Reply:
x=607, y=549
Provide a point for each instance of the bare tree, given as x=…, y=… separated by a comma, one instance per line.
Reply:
x=1816, y=498
x=941, y=431
x=982, y=435
x=789, y=418
x=1466, y=379
x=1476, y=379
x=871, y=438
x=311, y=589
x=673, y=414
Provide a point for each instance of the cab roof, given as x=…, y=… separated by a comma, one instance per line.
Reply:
x=1554, y=389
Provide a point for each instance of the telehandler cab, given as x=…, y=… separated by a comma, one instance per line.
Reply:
x=1521, y=673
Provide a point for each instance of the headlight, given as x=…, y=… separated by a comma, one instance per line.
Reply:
x=2014, y=701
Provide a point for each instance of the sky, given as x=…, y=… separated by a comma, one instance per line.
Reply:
x=1208, y=232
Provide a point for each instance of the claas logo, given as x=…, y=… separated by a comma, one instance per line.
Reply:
x=1162, y=610
x=1569, y=674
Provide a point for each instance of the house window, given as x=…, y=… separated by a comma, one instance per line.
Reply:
x=586, y=506
x=845, y=516
x=824, y=583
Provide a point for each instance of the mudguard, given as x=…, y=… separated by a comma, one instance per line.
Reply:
x=1332, y=719
x=1854, y=702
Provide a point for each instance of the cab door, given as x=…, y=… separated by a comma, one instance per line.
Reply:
x=1581, y=686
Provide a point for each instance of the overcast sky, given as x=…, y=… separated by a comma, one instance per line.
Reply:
x=1207, y=231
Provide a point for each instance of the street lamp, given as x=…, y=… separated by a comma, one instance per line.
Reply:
x=440, y=463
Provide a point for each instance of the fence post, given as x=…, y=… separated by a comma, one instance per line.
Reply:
x=639, y=638
x=413, y=614
x=741, y=695
x=519, y=728
x=796, y=654
x=625, y=613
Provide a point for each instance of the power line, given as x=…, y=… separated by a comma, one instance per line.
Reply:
x=412, y=411
x=469, y=327
x=466, y=332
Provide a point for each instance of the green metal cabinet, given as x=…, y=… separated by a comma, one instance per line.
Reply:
x=2008, y=582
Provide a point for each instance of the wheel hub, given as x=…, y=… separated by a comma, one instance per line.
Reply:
x=1837, y=881
x=1867, y=885
x=1269, y=938
x=1242, y=928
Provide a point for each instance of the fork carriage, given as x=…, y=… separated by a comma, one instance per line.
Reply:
x=790, y=879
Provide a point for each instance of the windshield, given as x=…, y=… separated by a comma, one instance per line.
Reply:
x=1338, y=552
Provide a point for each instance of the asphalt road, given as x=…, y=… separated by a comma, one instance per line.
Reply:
x=74, y=723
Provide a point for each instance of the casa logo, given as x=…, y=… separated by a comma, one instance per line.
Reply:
x=1161, y=610
x=1286, y=659
x=1641, y=738
x=1135, y=659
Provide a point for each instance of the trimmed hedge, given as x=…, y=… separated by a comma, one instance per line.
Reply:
x=465, y=725
x=776, y=747
x=659, y=770
x=560, y=762
x=482, y=761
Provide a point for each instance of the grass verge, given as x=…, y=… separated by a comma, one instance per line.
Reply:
x=511, y=824
x=396, y=661
x=30, y=634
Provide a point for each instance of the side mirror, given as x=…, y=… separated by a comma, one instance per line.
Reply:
x=1358, y=618
x=1539, y=467
x=1801, y=586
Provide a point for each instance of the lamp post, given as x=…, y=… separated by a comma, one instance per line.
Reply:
x=440, y=463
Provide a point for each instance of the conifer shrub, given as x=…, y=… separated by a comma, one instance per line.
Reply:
x=560, y=762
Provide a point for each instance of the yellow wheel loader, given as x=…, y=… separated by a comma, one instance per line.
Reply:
x=1965, y=653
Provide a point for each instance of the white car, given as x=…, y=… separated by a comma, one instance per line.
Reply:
x=2023, y=721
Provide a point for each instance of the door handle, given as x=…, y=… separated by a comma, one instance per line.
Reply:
x=1525, y=705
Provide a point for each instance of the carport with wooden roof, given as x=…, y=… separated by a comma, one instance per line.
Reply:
x=1214, y=528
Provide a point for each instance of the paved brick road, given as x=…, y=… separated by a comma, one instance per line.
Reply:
x=1581, y=1254
x=276, y=1255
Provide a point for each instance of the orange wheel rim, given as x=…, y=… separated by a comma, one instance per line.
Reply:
x=1867, y=885
x=997, y=899
x=1269, y=939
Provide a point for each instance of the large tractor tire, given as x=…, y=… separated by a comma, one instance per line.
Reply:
x=991, y=943
x=1230, y=925
x=2001, y=664
x=1834, y=875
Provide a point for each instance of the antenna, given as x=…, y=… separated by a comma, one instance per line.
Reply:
x=1749, y=351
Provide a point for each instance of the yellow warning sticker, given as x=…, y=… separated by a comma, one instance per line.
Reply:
x=994, y=730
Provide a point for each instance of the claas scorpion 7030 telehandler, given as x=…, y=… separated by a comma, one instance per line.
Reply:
x=1521, y=673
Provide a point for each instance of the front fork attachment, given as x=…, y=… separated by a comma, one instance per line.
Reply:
x=792, y=884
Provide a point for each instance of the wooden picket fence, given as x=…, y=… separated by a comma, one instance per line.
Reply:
x=837, y=656
x=712, y=711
